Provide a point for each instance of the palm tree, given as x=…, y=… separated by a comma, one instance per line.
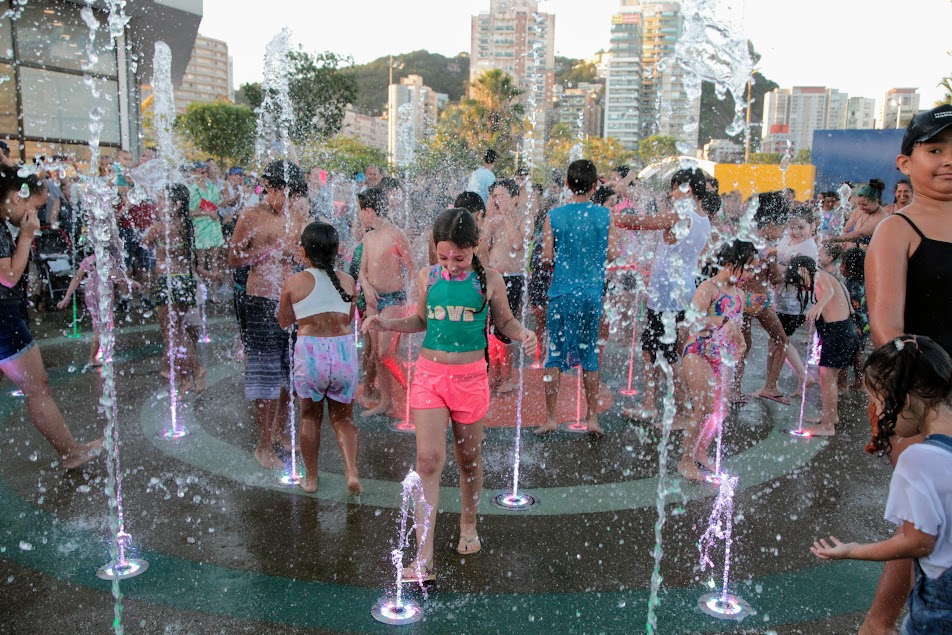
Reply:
x=495, y=93
x=947, y=85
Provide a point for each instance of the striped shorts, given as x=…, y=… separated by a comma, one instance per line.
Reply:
x=267, y=350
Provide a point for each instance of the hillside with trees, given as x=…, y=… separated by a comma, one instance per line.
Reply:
x=443, y=74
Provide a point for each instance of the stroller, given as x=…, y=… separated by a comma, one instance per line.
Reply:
x=52, y=253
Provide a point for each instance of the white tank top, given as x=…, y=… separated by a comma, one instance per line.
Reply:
x=324, y=298
x=675, y=267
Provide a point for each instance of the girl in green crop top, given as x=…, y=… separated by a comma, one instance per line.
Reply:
x=451, y=383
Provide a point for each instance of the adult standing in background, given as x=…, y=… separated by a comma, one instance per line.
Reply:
x=206, y=198
x=902, y=196
x=483, y=178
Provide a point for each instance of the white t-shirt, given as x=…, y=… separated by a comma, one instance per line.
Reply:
x=921, y=493
x=480, y=181
x=785, y=297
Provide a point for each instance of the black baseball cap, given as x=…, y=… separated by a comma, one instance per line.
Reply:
x=925, y=126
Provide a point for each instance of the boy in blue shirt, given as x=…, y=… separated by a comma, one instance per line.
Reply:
x=579, y=240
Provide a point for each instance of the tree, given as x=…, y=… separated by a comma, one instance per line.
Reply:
x=569, y=72
x=443, y=74
x=250, y=95
x=604, y=153
x=765, y=158
x=319, y=90
x=220, y=129
x=490, y=118
x=802, y=156
x=946, y=85
x=657, y=147
x=341, y=154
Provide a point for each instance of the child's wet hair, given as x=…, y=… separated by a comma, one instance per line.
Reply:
x=582, y=176
x=472, y=202
x=179, y=197
x=458, y=226
x=735, y=254
x=835, y=251
x=802, y=212
x=602, y=194
x=375, y=199
x=11, y=181
x=794, y=278
x=908, y=366
x=321, y=243
x=509, y=185
x=772, y=209
x=692, y=177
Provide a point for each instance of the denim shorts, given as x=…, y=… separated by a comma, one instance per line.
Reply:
x=15, y=336
x=930, y=605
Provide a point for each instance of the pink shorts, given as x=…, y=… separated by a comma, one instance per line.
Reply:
x=463, y=389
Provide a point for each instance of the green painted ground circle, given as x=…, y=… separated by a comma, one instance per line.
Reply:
x=766, y=461
x=67, y=553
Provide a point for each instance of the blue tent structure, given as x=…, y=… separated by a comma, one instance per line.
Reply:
x=856, y=156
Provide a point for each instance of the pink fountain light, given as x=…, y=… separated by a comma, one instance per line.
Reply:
x=721, y=604
x=812, y=360
x=578, y=426
x=395, y=609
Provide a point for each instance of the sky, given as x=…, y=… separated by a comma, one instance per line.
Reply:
x=861, y=47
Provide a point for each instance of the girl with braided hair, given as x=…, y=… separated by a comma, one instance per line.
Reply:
x=321, y=301
x=909, y=381
x=451, y=382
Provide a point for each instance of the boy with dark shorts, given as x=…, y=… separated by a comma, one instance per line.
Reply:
x=505, y=237
x=579, y=240
x=838, y=337
x=674, y=270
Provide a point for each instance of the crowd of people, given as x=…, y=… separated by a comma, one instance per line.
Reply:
x=475, y=263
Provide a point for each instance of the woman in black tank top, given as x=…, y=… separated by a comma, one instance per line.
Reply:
x=909, y=289
x=928, y=308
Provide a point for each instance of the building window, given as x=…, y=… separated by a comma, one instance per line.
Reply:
x=50, y=40
x=59, y=39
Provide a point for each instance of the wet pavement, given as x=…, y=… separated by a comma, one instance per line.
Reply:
x=231, y=550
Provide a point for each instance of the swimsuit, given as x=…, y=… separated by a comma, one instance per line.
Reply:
x=394, y=298
x=711, y=347
x=456, y=320
x=756, y=303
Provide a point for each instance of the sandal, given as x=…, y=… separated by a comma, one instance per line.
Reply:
x=424, y=576
x=468, y=545
x=776, y=398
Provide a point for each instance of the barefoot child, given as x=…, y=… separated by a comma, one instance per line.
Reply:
x=712, y=338
x=852, y=265
x=451, y=383
x=836, y=330
x=385, y=263
x=771, y=218
x=87, y=273
x=579, y=239
x=176, y=266
x=909, y=380
x=505, y=236
x=321, y=301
